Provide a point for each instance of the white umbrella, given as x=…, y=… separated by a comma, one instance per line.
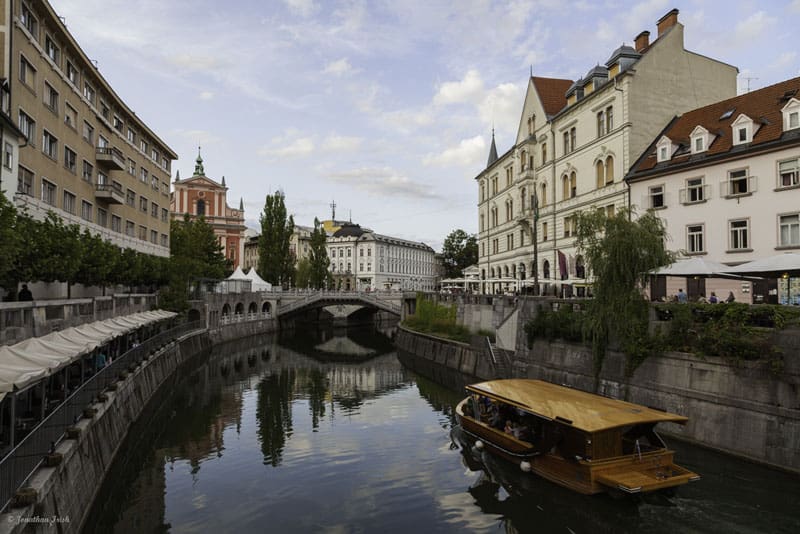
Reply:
x=695, y=266
x=787, y=264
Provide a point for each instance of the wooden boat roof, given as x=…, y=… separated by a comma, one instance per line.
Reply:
x=584, y=411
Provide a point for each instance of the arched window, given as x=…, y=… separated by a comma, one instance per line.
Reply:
x=573, y=185
x=565, y=186
x=522, y=271
x=483, y=274
x=266, y=307
x=580, y=268
x=226, y=309
x=492, y=273
x=514, y=271
x=483, y=191
x=601, y=174
x=546, y=269
x=609, y=169
x=522, y=199
x=510, y=209
x=543, y=196
x=239, y=308
x=505, y=271
x=252, y=308
x=201, y=207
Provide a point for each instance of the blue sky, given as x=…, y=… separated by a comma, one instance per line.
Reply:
x=384, y=106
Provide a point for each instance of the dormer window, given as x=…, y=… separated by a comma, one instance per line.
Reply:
x=664, y=149
x=701, y=139
x=791, y=114
x=742, y=130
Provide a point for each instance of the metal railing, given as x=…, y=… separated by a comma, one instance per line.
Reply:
x=23, y=460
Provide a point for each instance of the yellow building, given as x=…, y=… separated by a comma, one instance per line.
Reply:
x=88, y=157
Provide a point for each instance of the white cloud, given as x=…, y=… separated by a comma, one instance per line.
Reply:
x=304, y=8
x=795, y=6
x=752, y=28
x=502, y=105
x=467, y=153
x=383, y=181
x=340, y=67
x=468, y=89
x=341, y=143
x=206, y=95
x=297, y=148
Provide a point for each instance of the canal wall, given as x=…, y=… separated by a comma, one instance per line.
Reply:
x=66, y=491
x=467, y=359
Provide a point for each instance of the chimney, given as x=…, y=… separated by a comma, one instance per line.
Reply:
x=642, y=41
x=667, y=21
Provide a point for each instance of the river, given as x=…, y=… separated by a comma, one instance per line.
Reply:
x=327, y=432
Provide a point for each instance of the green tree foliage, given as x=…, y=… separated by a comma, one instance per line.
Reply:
x=97, y=262
x=302, y=276
x=460, y=250
x=275, y=260
x=10, y=242
x=63, y=249
x=437, y=319
x=319, y=261
x=621, y=251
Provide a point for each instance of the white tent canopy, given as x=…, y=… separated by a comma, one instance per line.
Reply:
x=776, y=266
x=259, y=284
x=694, y=266
x=238, y=274
x=35, y=358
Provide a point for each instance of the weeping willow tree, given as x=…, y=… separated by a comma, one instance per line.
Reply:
x=621, y=251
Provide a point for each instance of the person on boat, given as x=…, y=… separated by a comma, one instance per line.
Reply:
x=509, y=428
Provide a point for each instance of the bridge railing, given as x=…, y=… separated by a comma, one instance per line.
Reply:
x=369, y=297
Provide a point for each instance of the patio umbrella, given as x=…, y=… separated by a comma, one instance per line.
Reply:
x=695, y=266
x=785, y=266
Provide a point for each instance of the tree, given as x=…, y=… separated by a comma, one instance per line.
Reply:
x=275, y=261
x=10, y=244
x=620, y=252
x=319, y=257
x=303, y=273
x=60, y=250
x=97, y=261
x=460, y=250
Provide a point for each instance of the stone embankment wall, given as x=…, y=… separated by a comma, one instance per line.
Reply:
x=465, y=358
x=68, y=490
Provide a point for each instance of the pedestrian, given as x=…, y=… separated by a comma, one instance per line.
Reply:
x=25, y=294
x=682, y=297
x=713, y=298
x=730, y=298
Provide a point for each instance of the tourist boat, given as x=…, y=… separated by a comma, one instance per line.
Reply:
x=585, y=442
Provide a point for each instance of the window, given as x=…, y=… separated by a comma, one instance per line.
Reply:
x=8, y=155
x=24, y=181
x=70, y=160
x=656, y=194
x=51, y=49
x=789, y=173
x=27, y=74
x=699, y=144
x=154, y=155
x=569, y=226
x=164, y=240
x=694, y=239
x=510, y=242
x=662, y=154
x=544, y=153
x=154, y=210
x=86, y=211
x=102, y=142
x=610, y=170
x=88, y=132
x=70, y=116
x=544, y=231
x=68, y=204
x=50, y=98
x=88, y=171
x=201, y=207
x=794, y=119
x=29, y=21
x=601, y=123
x=72, y=74
x=153, y=237
x=542, y=196
x=739, y=234
x=143, y=204
x=116, y=223
x=600, y=174
x=572, y=139
x=566, y=142
x=609, y=119
x=131, y=136
x=104, y=109
x=102, y=217
x=50, y=144
x=695, y=191
x=509, y=176
x=48, y=192
x=130, y=198
x=789, y=230
x=130, y=229
x=118, y=124
x=573, y=185
x=164, y=214
x=143, y=175
x=738, y=183
x=154, y=182
x=143, y=145
x=742, y=135
x=131, y=167
x=88, y=92
x=610, y=211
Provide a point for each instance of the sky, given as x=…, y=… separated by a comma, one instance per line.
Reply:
x=384, y=106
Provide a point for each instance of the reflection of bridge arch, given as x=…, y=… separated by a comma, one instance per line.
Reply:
x=239, y=308
x=266, y=307
x=252, y=308
x=390, y=303
x=226, y=309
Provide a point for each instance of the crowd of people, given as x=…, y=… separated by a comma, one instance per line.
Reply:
x=508, y=419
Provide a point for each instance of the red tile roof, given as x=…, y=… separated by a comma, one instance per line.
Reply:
x=551, y=93
x=763, y=106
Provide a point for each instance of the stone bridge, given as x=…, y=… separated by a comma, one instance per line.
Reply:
x=223, y=308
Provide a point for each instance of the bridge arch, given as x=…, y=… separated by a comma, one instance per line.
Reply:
x=252, y=308
x=239, y=308
x=266, y=307
x=226, y=309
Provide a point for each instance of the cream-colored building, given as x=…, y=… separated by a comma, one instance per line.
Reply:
x=575, y=142
x=89, y=158
x=725, y=179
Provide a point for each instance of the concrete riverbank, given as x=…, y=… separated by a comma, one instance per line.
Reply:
x=63, y=494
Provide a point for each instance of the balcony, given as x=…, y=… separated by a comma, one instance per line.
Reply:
x=111, y=158
x=110, y=193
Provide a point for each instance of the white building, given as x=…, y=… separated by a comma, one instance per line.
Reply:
x=725, y=177
x=361, y=259
x=575, y=142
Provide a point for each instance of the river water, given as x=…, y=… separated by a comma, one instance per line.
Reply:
x=327, y=432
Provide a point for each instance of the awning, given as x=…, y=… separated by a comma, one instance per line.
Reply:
x=36, y=358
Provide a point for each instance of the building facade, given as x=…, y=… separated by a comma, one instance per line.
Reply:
x=575, y=142
x=725, y=178
x=87, y=156
x=363, y=260
x=200, y=196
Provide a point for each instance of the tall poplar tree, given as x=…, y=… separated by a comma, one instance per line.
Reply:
x=275, y=260
x=319, y=257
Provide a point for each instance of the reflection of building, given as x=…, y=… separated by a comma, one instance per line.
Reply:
x=725, y=177
x=89, y=158
x=198, y=196
x=146, y=513
x=575, y=142
x=362, y=259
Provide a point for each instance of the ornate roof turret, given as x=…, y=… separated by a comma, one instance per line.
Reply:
x=241, y=204
x=492, y=151
x=198, y=167
x=177, y=175
x=623, y=51
x=223, y=181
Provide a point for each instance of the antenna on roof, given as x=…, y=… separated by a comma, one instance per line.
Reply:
x=748, y=78
x=333, y=210
x=531, y=70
